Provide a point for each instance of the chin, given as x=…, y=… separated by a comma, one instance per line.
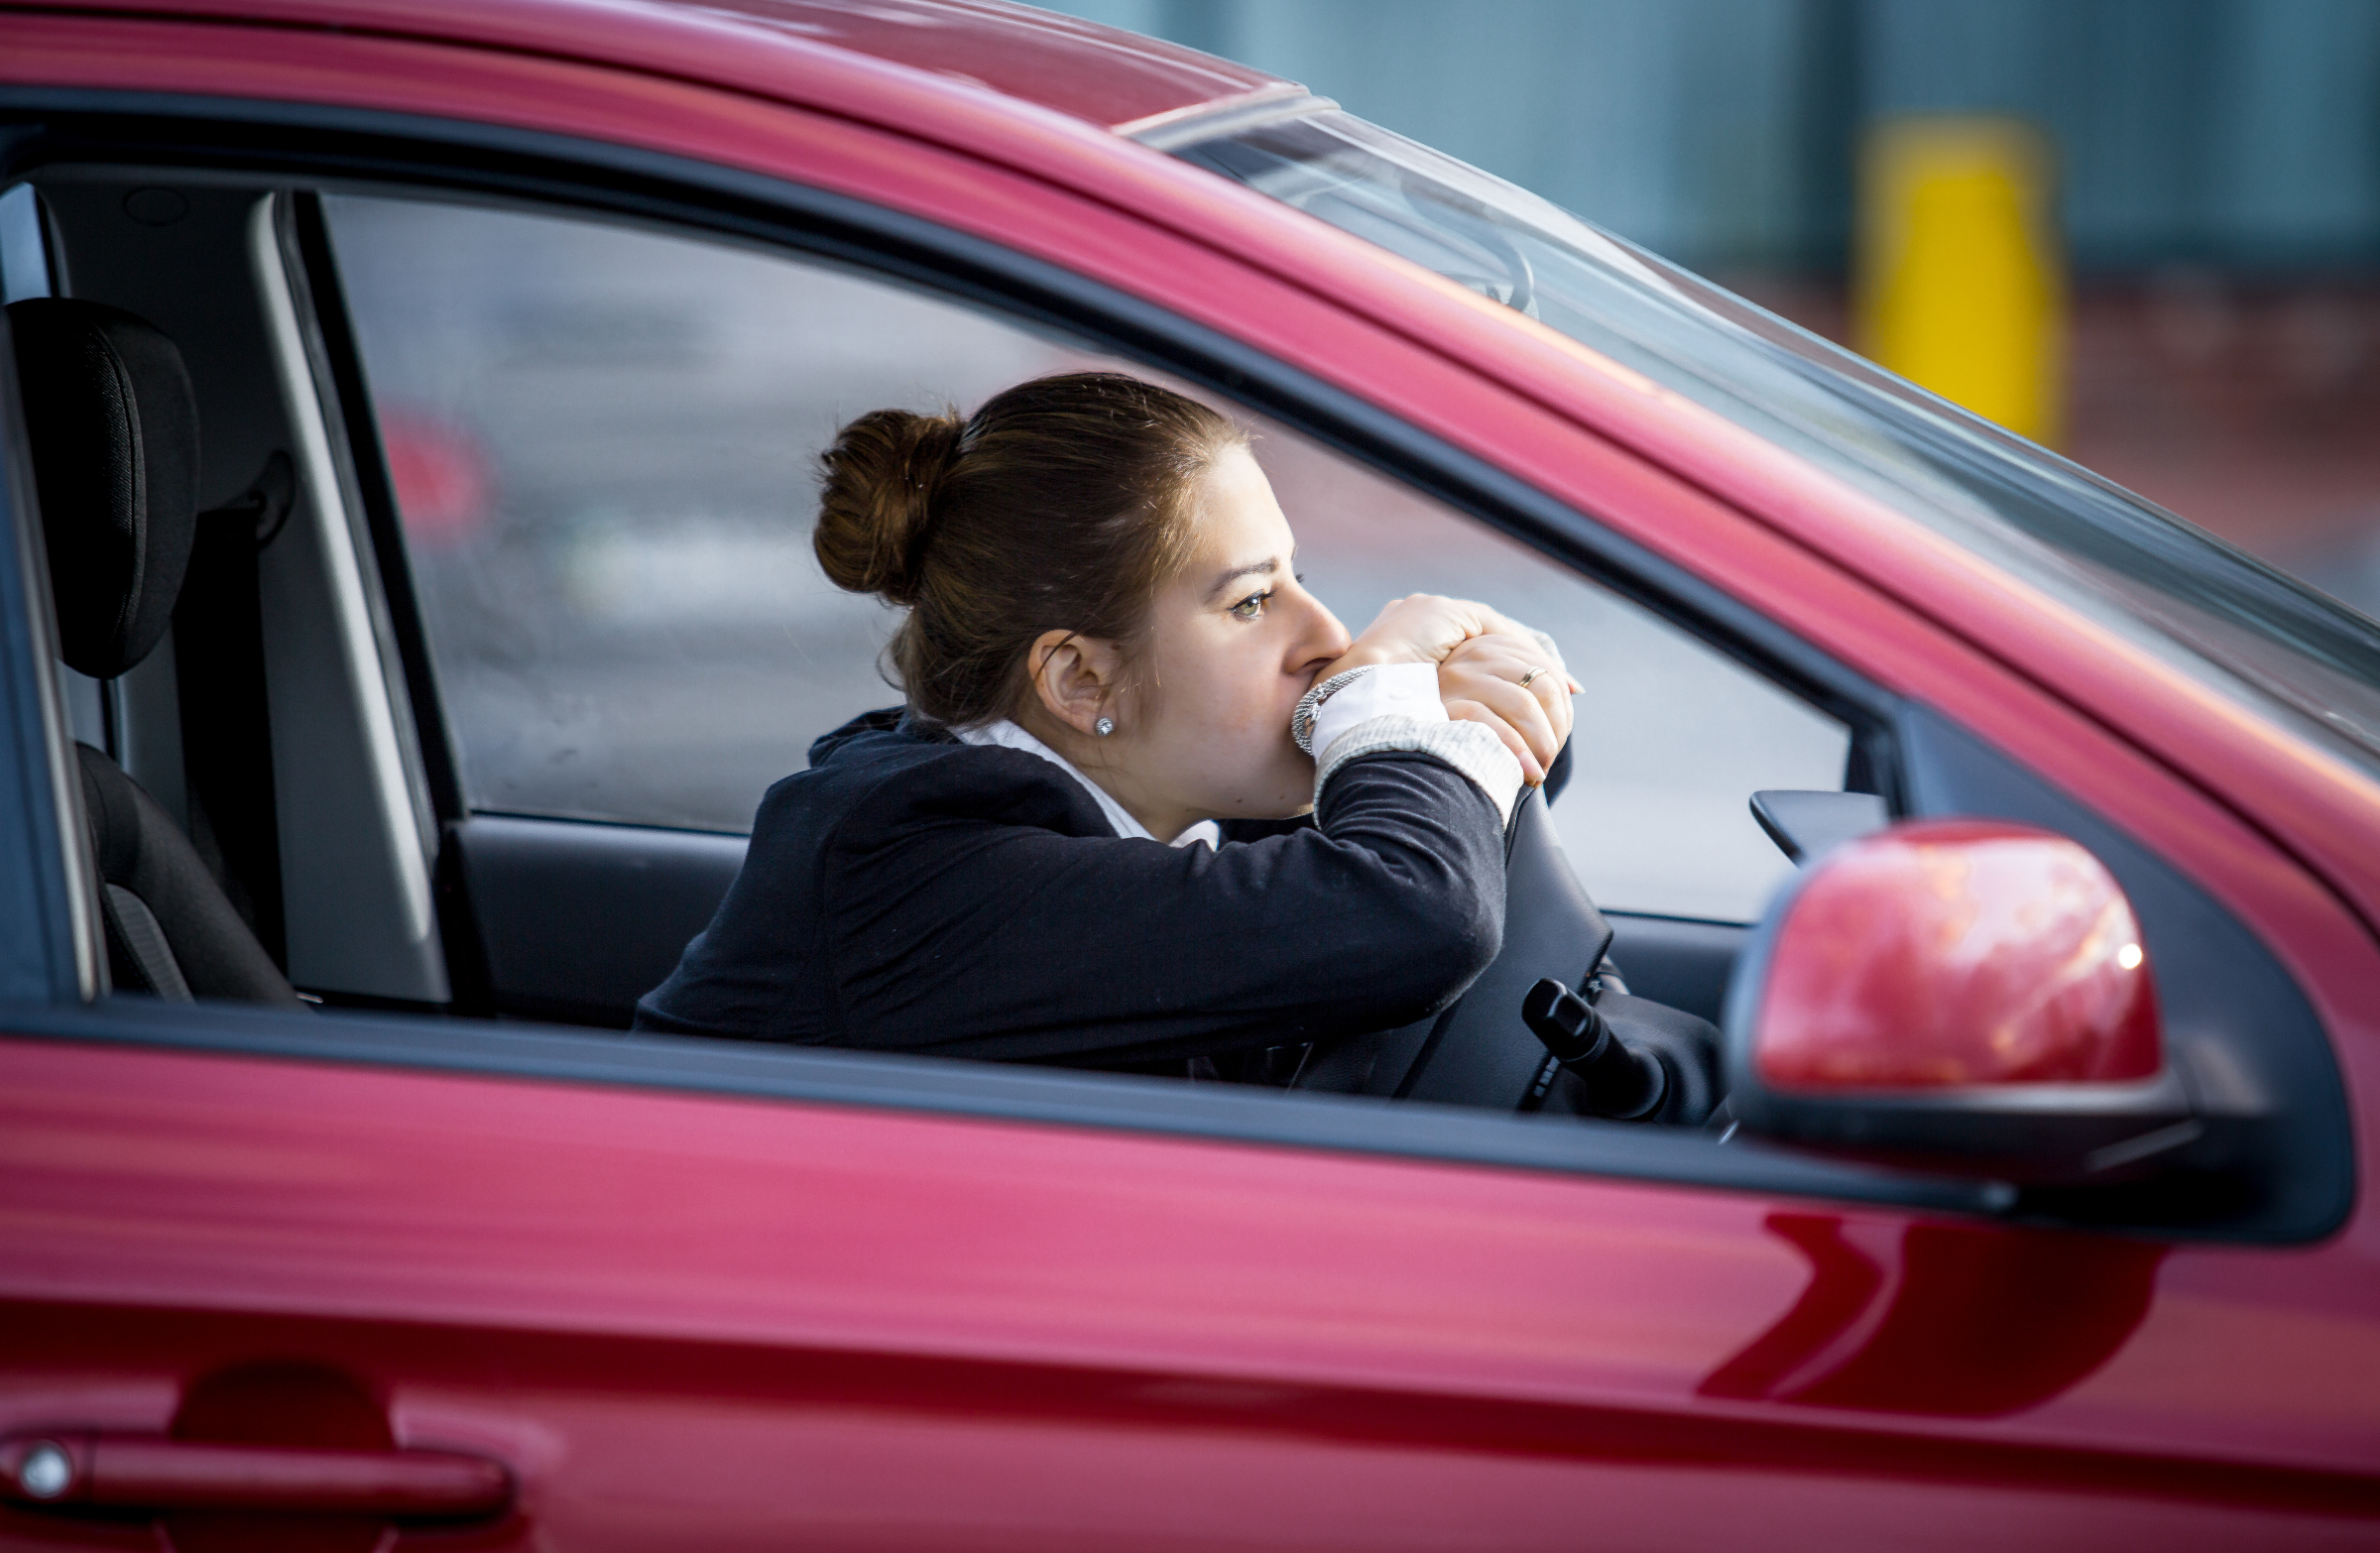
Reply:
x=1295, y=795
x=1273, y=800
x=1278, y=784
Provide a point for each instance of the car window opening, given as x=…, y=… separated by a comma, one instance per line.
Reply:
x=602, y=485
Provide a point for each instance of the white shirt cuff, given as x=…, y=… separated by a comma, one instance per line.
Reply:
x=1470, y=747
x=1379, y=690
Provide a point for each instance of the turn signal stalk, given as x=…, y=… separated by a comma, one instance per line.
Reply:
x=1624, y=1083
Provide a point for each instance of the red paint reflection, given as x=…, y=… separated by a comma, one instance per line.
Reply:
x=1954, y=1320
x=440, y=476
x=1958, y=952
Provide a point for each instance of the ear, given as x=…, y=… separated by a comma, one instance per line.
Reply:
x=1075, y=677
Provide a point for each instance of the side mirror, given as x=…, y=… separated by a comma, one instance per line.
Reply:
x=1957, y=994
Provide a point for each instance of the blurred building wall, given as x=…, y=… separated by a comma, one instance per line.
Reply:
x=1705, y=128
x=2232, y=132
x=1722, y=132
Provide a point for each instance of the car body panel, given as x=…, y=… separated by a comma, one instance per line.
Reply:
x=1096, y=75
x=923, y=1314
x=1432, y=1309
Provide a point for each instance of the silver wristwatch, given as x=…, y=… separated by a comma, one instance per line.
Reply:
x=1301, y=721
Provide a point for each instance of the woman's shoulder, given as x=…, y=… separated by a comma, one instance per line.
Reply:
x=886, y=766
x=869, y=732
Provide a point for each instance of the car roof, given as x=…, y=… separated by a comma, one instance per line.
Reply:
x=1086, y=71
x=1097, y=75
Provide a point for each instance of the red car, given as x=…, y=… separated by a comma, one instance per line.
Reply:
x=473, y=352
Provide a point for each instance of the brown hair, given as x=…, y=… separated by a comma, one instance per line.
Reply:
x=1063, y=503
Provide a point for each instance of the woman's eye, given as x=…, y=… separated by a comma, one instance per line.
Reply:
x=1252, y=607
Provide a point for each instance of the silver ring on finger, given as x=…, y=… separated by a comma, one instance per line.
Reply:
x=1531, y=674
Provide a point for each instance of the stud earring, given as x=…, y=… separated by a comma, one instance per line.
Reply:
x=1104, y=726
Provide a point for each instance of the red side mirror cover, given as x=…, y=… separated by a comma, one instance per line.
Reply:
x=1957, y=953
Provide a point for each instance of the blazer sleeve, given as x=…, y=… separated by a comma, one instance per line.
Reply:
x=972, y=929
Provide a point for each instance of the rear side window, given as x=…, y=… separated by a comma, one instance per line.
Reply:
x=603, y=444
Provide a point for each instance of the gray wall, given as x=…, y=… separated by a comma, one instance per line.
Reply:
x=2234, y=132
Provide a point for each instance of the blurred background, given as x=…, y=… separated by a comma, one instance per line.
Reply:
x=2146, y=232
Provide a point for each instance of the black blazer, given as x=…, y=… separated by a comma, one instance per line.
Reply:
x=912, y=893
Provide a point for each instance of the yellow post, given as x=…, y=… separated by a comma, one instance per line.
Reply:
x=1959, y=279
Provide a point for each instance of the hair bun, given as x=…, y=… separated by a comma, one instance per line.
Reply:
x=877, y=498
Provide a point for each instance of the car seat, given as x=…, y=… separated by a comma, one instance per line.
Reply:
x=113, y=427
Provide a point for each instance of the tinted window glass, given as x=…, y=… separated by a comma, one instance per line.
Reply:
x=603, y=442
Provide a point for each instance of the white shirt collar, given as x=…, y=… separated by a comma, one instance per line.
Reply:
x=1009, y=735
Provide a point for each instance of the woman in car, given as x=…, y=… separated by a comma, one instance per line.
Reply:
x=1147, y=801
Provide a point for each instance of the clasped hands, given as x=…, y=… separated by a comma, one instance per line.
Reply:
x=1482, y=658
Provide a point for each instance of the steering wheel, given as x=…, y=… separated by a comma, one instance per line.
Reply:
x=1478, y=1052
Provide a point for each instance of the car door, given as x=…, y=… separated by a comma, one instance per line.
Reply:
x=681, y=1291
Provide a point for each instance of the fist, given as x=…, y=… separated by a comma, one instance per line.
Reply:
x=1422, y=627
x=1481, y=682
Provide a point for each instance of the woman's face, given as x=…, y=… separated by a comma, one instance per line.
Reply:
x=1234, y=642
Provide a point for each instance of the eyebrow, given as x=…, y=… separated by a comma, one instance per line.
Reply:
x=1263, y=569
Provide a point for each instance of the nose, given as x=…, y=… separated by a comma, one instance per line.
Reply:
x=1322, y=641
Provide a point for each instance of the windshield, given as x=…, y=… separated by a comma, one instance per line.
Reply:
x=2229, y=621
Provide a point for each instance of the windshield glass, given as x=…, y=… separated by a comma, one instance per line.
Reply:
x=2228, y=620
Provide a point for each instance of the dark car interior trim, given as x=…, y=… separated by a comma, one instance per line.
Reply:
x=1675, y=960
x=48, y=913
x=561, y=942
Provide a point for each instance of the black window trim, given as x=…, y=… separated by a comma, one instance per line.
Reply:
x=38, y=784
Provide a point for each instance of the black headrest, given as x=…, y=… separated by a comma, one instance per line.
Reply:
x=114, y=428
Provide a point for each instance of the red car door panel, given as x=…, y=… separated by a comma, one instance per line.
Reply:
x=752, y=1317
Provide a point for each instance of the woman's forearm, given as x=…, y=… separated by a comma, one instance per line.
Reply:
x=1031, y=945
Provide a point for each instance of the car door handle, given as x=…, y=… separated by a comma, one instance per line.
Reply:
x=152, y=1473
